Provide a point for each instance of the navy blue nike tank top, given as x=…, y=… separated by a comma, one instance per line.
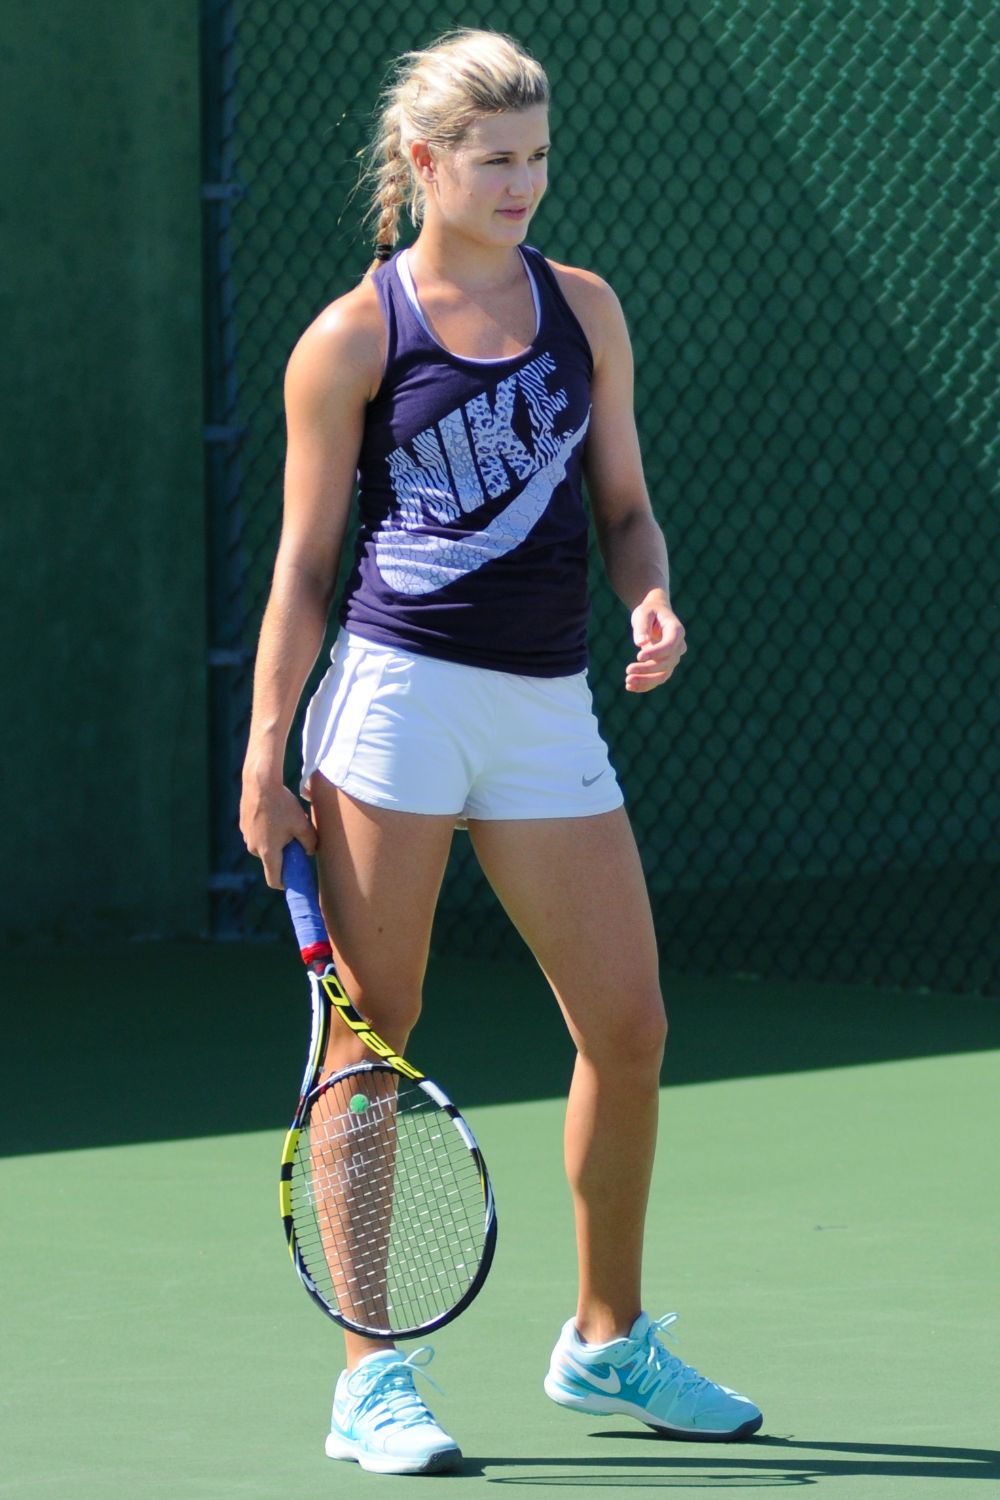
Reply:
x=472, y=537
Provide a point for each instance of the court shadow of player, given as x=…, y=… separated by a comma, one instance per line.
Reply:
x=763, y=1462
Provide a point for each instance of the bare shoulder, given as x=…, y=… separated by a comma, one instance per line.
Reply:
x=594, y=302
x=342, y=352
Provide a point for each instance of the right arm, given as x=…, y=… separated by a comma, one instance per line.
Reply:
x=332, y=374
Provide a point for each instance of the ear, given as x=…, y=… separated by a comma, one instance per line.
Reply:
x=423, y=161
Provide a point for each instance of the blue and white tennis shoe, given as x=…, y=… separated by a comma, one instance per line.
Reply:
x=381, y=1423
x=637, y=1377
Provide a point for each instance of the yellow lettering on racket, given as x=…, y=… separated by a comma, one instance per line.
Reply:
x=375, y=1044
x=361, y=1028
x=402, y=1066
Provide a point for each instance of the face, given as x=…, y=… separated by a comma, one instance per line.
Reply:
x=489, y=186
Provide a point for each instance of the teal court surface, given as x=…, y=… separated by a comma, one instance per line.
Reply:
x=825, y=1218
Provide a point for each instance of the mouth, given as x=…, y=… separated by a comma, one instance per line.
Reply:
x=515, y=214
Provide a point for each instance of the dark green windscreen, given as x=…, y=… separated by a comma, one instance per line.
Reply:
x=102, y=542
x=797, y=206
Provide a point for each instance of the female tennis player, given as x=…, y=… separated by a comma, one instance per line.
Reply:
x=471, y=385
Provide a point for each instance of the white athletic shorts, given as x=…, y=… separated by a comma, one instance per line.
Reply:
x=427, y=736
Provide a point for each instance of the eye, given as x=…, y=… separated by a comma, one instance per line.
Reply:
x=502, y=161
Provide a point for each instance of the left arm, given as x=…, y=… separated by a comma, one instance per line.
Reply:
x=631, y=542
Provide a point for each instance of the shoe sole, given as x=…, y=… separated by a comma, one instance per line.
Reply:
x=607, y=1406
x=386, y=1463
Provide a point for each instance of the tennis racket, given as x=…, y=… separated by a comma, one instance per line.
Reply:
x=387, y=1204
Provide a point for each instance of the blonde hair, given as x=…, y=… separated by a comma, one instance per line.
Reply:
x=435, y=95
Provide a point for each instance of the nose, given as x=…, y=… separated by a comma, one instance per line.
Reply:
x=520, y=186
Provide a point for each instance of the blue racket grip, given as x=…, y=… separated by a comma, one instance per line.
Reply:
x=299, y=881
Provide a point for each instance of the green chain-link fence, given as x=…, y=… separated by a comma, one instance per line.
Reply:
x=798, y=206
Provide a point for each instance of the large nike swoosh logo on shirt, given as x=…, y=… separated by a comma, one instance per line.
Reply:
x=417, y=563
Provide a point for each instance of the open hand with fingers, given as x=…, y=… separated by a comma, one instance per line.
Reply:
x=659, y=635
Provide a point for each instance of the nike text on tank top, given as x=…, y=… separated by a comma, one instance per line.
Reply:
x=472, y=537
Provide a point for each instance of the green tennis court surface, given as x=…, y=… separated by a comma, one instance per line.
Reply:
x=825, y=1217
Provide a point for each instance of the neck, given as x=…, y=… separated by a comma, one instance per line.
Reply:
x=458, y=261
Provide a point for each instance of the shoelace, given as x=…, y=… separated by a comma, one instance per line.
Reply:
x=389, y=1385
x=660, y=1367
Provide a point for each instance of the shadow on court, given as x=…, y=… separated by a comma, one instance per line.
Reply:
x=743, y=1466
x=161, y=1042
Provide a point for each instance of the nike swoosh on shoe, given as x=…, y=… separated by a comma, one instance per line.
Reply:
x=610, y=1383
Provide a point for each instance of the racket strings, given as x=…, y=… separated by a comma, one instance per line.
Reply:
x=395, y=1243
x=440, y=1217
x=387, y=1203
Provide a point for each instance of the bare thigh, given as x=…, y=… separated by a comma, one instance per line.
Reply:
x=380, y=874
x=575, y=890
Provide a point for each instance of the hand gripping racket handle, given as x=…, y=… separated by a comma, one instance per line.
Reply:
x=299, y=881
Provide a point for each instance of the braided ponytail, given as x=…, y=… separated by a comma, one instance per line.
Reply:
x=392, y=184
x=435, y=95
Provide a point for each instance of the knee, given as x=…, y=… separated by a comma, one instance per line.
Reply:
x=648, y=1028
x=633, y=1031
x=392, y=1014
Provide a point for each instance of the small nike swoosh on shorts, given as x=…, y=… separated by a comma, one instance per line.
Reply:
x=589, y=780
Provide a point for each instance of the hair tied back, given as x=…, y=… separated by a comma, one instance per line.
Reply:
x=434, y=95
